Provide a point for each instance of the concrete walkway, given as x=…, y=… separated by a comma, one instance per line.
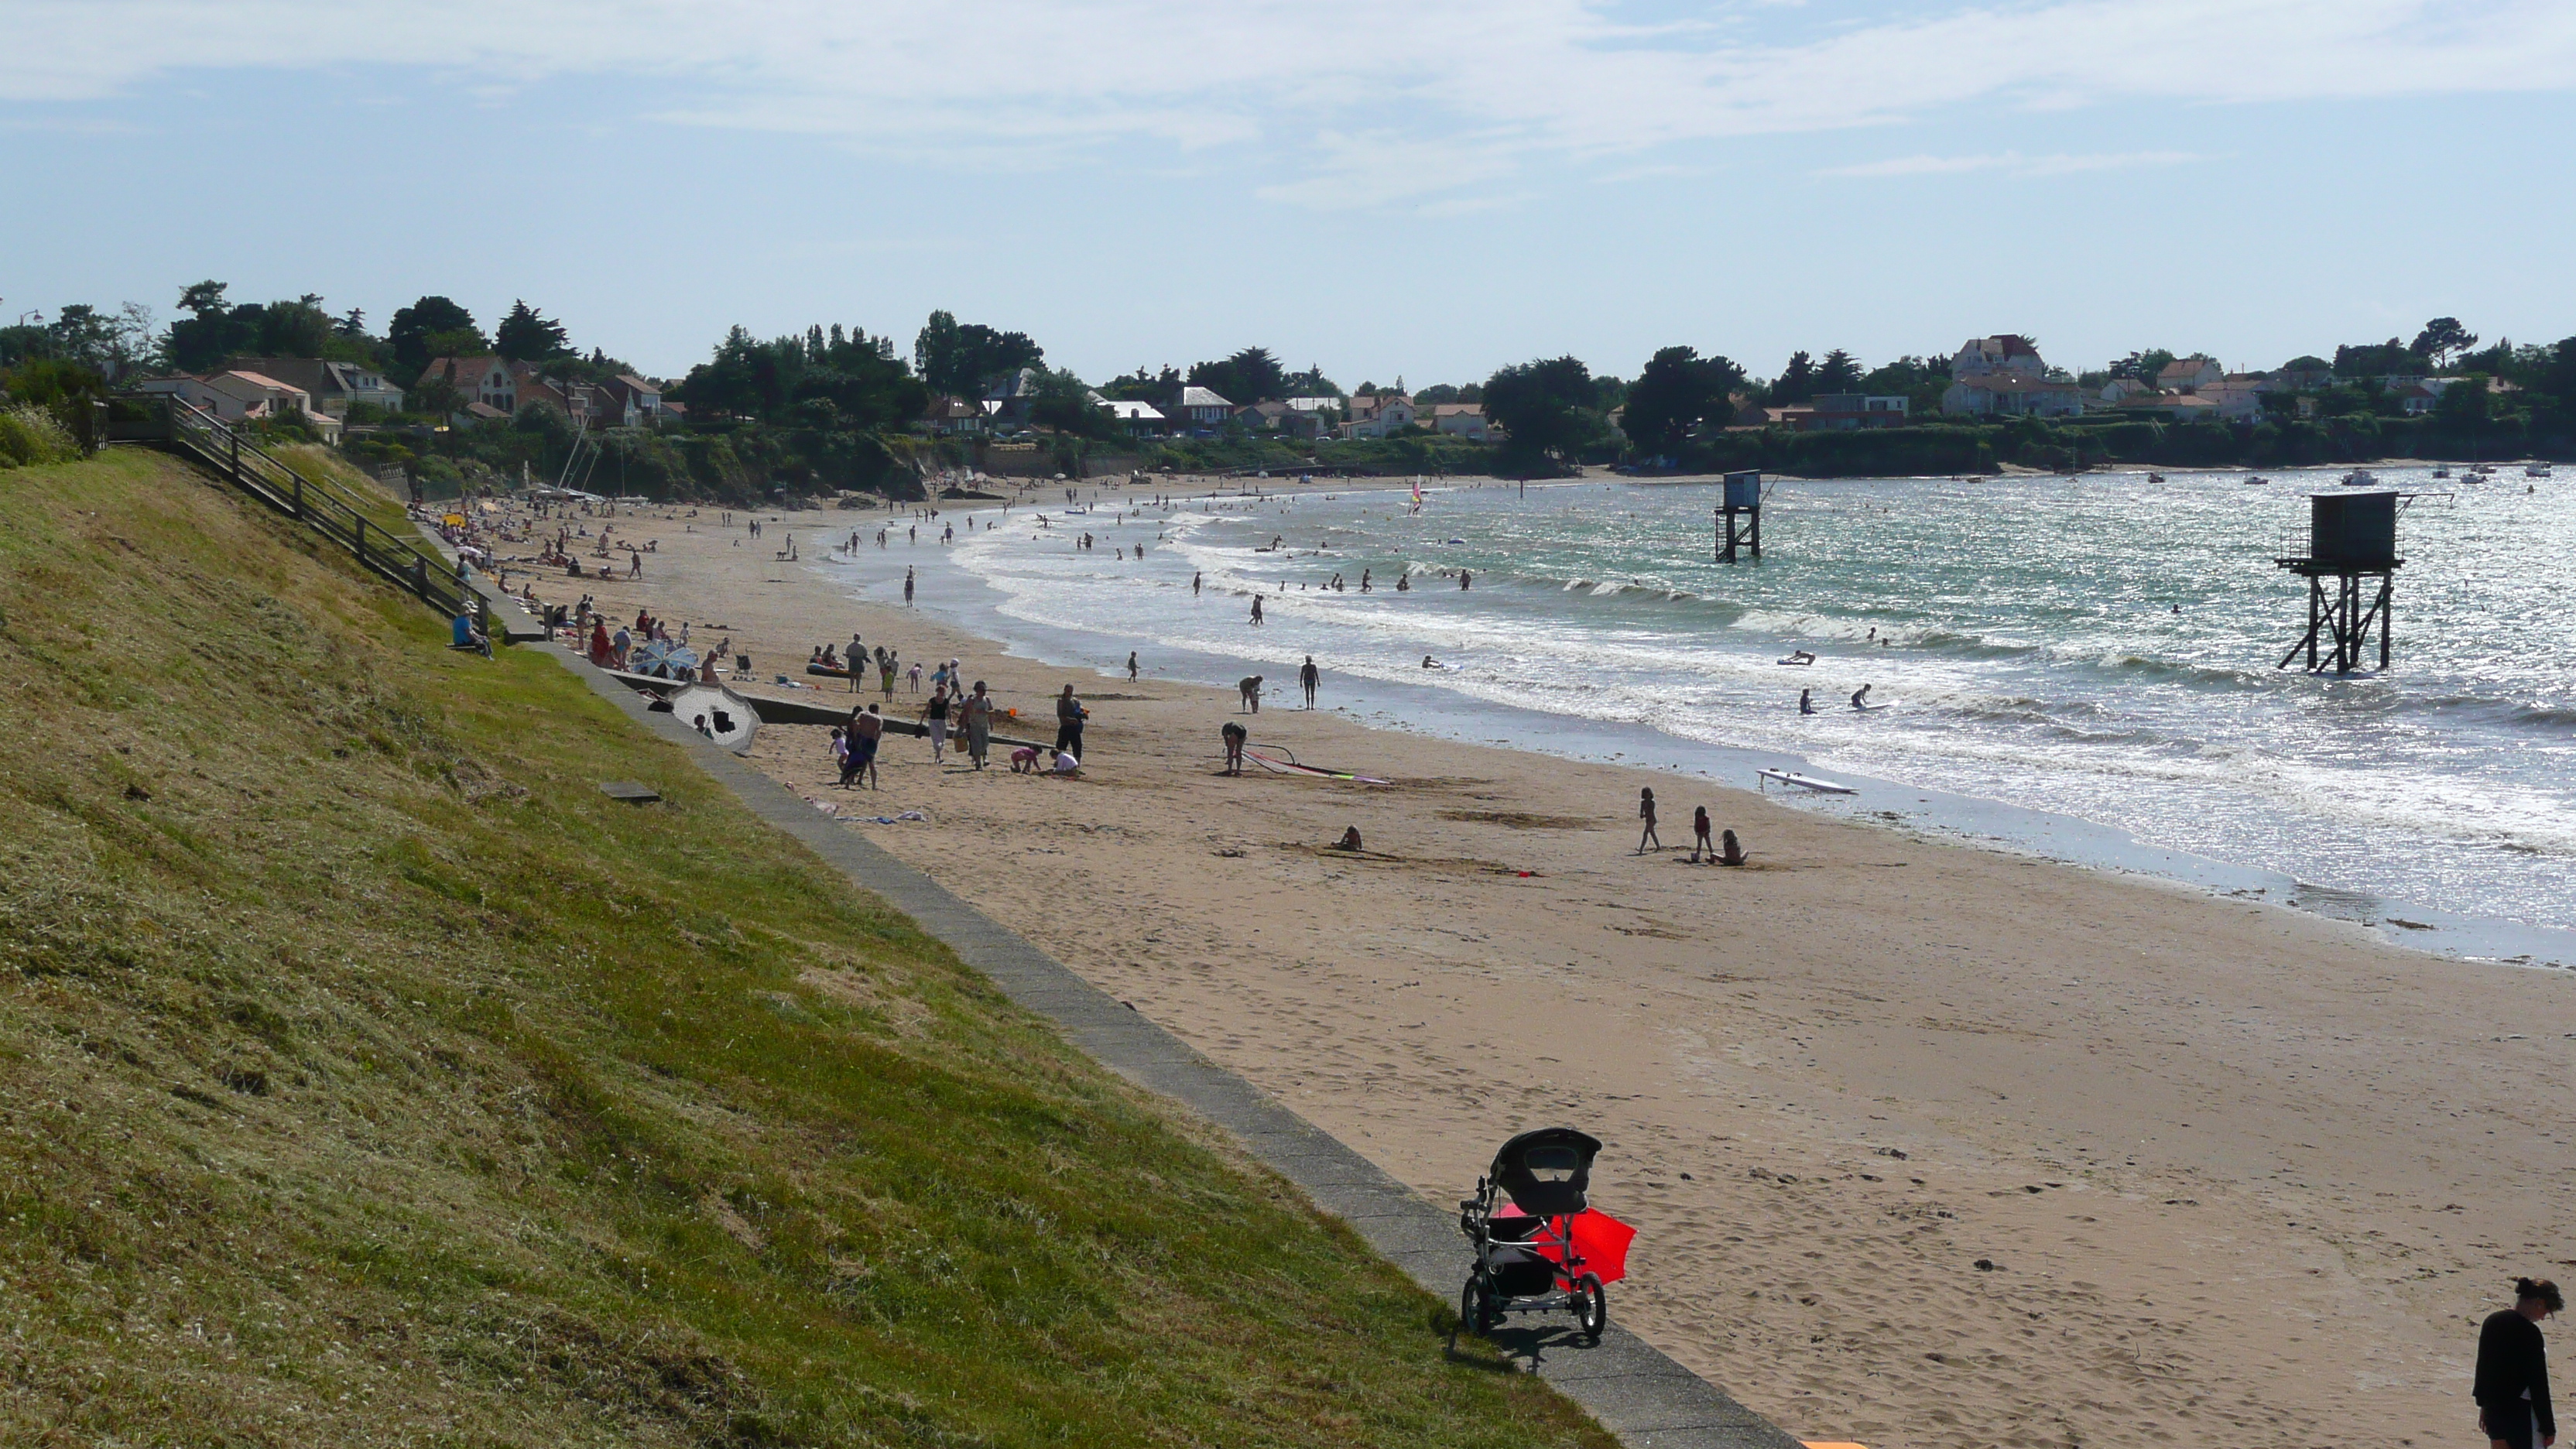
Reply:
x=1636, y=1392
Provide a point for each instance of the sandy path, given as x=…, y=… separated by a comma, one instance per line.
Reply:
x=2242, y=1173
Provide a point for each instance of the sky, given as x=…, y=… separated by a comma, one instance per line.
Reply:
x=1426, y=191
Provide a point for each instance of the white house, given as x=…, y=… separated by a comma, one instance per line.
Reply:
x=1140, y=419
x=1461, y=420
x=2012, y=395
x=1201, y=407
x=2189, y=374
x=2005, y=353
x=246, y=397
x=484, y=380
x=332, y=386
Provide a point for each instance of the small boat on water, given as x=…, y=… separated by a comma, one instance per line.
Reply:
x=2359, y=478
x=2536, y=470
x=2155, y=477
x=716, y=712
x=2442, y=472
x=2255, y=480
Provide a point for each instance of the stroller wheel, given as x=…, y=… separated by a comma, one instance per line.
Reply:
x=1475, y=1313
x=1591, y=1307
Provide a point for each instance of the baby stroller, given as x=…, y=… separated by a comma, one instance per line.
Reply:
x=1540, y=1245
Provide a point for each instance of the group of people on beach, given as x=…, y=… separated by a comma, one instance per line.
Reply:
x=1725, y=851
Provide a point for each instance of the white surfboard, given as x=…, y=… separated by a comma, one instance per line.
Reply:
x=1804, y=782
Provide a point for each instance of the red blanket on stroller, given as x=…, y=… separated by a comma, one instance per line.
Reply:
x=1599, y=1239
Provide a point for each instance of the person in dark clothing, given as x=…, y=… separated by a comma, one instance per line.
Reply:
x=2512, y=1387
x=1069, y=715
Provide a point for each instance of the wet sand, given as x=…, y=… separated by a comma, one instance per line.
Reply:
x=1926, y=1144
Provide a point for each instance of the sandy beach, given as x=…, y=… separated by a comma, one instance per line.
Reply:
x=1926, y=1144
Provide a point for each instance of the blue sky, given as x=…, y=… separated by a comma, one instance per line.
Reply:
x=1430, y=190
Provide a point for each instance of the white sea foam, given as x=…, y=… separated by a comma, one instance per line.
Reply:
x=2031, y=630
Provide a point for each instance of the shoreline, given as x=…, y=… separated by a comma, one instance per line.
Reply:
x=1962, y=818
x=2226, y=1162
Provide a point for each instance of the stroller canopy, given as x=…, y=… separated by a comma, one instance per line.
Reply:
x=1547, y=1172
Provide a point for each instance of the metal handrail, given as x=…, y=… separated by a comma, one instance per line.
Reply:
x=323, y=505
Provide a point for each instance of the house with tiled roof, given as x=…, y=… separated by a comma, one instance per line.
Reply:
x=236, y=397
x=2189, y=374
x=2007, y=353
x=332, y=386
x=485, y=380
x=2012, y=395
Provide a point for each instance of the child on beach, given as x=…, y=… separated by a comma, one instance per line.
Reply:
x=1024, y=760
x=1646, y=812
x=1699, y=835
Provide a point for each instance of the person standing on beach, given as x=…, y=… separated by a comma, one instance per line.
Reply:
x=2512, y=1387
x=907, y=587
x=934, y=715
x=1699, y=835
x=1309, y=677
x=858, y=664
x=979, y=723
x=1069, y=715
x=1131, y=664
x=867, y=729
x=1646, y=812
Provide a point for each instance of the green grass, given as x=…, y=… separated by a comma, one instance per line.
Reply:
x=373, y=1080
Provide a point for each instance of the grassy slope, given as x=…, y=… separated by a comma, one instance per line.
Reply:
x=374, y=1080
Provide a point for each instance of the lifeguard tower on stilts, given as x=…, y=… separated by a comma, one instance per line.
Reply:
x=1739, y=519
x=2351, y=566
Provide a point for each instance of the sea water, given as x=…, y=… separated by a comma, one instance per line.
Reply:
x=2103, y=648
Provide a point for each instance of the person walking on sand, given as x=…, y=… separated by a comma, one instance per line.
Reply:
x=1069, y=715
x=907, y=588
x=2512, y=1386
x=1131, y=664
x=934, y=716
x=979, y=723
x=1699, y=835
x=1309, y=677
x=869, y=728
x=1646, y=812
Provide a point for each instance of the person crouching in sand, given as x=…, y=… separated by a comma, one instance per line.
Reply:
x=1024, y=760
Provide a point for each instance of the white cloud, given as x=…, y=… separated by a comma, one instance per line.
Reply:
x=1483, y=86
x=2013, y=162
